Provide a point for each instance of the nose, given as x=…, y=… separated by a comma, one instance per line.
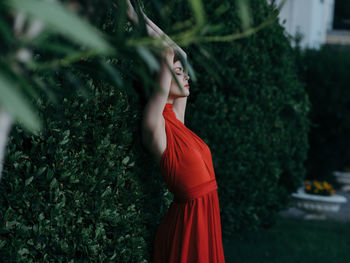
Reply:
x=187, y=77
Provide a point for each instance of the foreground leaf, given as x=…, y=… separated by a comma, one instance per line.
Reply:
x=66, y=22
x=16, y=105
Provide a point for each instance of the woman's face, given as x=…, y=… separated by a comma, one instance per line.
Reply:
x=183, y=78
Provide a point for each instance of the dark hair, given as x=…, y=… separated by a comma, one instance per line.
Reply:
x=177, y=57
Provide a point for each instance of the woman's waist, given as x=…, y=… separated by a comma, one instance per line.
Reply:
x=184, y=194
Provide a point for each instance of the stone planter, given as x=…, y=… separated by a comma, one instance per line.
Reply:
x=344, y=179
x=317, y=206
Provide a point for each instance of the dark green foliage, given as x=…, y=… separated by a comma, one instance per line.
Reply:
x=86, y=189
x=72, y=193
x=326, y=74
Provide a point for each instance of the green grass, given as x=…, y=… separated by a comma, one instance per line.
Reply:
x=292, y=241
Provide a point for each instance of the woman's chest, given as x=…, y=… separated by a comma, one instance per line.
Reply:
x=193, y=153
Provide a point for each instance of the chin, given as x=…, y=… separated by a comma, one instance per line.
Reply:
x=184, y=95
x=180, y=95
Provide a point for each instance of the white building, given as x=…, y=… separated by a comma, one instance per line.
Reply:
x=313, y=19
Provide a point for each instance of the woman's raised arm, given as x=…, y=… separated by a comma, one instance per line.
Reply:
x=153, y=30
x=153, y=123
x=179, y=104
x=162, y=34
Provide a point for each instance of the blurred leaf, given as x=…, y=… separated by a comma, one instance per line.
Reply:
x=121, y=17
x=199, y=13
x=21, y=79
x=113, y=73
x=76, y=82
x=5, y=32
x=221, y=9
x=207, y=29
x=64, y=21
x=182, y=25
x=148, y=58
x=16, y=105
x=58, y=48
x=244, y=13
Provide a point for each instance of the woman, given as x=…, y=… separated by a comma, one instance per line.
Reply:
x=190, y=231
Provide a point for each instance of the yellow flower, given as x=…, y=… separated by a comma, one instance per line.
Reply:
x=318, y=185
x=327, y=186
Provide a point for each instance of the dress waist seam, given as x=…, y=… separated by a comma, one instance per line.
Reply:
x=195, y=192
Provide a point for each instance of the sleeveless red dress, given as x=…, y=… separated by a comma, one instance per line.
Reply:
x=190, y=231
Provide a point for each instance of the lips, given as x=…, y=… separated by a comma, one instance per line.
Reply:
x=187, y=86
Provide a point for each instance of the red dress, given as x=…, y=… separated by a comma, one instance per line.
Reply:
x=190, y=231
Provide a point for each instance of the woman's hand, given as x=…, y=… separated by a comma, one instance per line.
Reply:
x=168, y=55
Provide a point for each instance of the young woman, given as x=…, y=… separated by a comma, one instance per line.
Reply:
x=190, y=231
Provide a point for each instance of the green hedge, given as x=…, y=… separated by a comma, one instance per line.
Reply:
x=87, y=190
x=326, y=74
x=70, y=193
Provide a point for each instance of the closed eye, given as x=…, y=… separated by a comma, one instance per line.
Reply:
x=178, y=69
